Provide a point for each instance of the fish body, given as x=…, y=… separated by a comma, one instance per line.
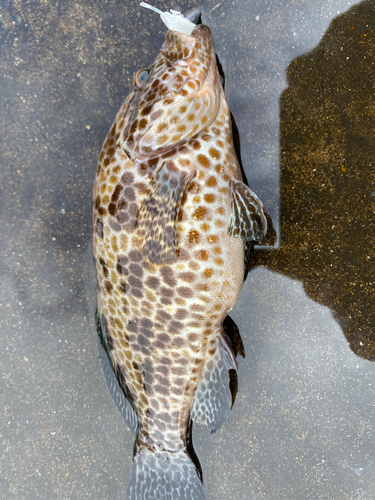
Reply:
x=171, y=221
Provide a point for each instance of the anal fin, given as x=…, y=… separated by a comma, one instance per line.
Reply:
x=248, y=221
x=213, y=398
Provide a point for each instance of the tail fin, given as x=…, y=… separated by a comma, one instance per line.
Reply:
x=164, y=476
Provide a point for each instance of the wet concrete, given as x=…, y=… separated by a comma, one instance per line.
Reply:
x=300, y=87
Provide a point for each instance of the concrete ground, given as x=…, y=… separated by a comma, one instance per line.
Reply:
x=300, y=85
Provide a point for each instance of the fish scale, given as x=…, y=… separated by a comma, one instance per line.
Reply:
x=171, y=216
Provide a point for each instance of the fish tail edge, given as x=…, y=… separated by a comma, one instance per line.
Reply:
x=163, y=475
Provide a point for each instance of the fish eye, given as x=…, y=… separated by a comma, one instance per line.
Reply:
x=141, y=77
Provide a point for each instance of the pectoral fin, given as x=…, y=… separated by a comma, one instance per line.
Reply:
x=158, y=214
x=248, y=221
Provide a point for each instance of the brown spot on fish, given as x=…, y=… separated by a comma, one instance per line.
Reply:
x=211, y=181
x=202, y=255
x=212, y=238
x=194, y=265
x=112, y=208
x=163, y=316
x=181, y=314
x=99, y=228
x=166, y=292
x=194, y=237
x=114, y=243
x=168, y=276
x=136, y=270
x=203, y=160
x=188, y=277
x=185, y=292
x=134, y=282
x=209, y=198
x=214, y=153
x=200, y=213
x=208, y=273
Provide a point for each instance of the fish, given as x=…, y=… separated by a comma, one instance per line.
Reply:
x=172, y=222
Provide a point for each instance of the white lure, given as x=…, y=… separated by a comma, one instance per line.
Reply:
x=173, y=20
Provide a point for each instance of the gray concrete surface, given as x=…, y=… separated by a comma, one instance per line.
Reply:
x=302, y=426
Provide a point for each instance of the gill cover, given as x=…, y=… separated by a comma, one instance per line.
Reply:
x=179, y=99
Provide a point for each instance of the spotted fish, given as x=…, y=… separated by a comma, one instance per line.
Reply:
x=172, y=220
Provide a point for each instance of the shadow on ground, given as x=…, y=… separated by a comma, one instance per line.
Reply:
x=327, y=177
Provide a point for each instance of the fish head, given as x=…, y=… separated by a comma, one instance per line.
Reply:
x=175, y=99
